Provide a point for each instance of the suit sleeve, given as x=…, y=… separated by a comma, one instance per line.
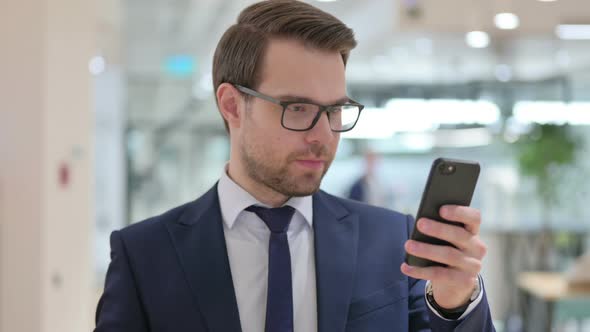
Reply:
x=419, y=317
x=356, y=191
x=424, y=319
x=119, y=308
x=479, y=319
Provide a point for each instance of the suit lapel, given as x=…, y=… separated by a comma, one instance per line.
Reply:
x=336, y=240
x=200, y=244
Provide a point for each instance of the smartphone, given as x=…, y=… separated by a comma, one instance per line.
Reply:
x=451, y=181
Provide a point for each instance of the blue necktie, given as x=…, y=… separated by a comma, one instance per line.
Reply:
x=279, y=300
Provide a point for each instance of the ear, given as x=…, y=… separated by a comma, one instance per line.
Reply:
x=229, y=101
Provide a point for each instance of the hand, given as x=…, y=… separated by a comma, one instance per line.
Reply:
x=452, y=285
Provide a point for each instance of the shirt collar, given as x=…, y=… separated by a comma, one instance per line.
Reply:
x=233, y=199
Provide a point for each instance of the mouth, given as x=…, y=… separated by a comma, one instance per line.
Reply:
x=311, y=163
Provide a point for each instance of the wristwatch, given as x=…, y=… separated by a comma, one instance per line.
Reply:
x=453, y=313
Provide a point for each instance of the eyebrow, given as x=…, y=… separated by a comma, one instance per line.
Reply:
x=294, y=98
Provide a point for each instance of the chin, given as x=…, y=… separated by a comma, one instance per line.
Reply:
x=304, y=192
x=295, y=183
x=304, y=188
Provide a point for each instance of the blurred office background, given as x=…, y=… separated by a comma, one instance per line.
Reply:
x=108, y=118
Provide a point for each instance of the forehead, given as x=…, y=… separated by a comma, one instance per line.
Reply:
x=291, y=68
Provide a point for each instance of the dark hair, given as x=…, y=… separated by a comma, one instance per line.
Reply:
x=241, y=49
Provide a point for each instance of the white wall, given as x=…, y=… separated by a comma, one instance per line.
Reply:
x=46, y=122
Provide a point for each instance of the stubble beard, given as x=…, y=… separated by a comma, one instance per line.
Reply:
x=277, y=176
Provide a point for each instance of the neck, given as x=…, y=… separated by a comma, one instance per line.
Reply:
x=261, y=192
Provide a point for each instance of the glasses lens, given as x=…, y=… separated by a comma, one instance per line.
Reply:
x=343, y=117
x=299, y=116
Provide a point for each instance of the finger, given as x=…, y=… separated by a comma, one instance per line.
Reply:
x=448, y=255
x=438, y=274
x=455, y=235
x=464, y=214
x=470, y=244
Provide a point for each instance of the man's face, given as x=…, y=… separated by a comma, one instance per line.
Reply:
x=289, y=162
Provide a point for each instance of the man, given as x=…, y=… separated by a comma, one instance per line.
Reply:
x=264, y=249
x=369, y=188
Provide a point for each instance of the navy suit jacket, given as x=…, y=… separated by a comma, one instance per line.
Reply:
x=172, y=273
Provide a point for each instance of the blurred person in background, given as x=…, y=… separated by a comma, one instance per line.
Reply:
x=265, y=249
x=370, y=187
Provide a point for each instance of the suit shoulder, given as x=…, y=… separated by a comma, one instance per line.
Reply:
x=153, y=224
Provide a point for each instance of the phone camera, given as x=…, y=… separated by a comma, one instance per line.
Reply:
x=446, y=169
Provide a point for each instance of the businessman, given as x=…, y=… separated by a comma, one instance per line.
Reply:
x=265, y=249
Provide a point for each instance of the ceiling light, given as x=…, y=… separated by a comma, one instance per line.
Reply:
x=547, y=0
x=463, y=138
x=552, y=112
x=573, y=31
x=97, y=65
x=506, y=21
x=420, y=115
x=477, y=39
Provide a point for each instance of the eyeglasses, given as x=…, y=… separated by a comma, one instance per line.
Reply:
x=302, y=116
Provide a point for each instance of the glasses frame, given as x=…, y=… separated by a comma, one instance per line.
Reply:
x=322, y=108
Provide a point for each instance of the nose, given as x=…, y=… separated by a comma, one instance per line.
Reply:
x=321, y=132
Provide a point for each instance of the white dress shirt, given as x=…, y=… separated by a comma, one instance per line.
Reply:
x=247, y=238
x=471, y=306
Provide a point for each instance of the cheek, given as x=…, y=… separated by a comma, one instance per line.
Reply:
x=334, y=143
x=281, y=143
x=270, y=142
x=266, y=117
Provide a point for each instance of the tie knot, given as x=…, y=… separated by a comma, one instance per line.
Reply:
x=276, y=219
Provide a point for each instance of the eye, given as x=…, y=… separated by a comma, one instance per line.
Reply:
x=300, y=108
x=335, y=109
